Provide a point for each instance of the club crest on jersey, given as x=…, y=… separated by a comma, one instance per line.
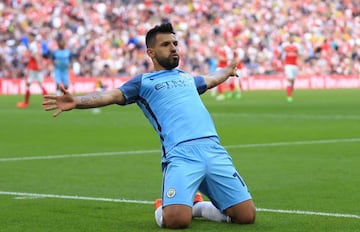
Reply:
x=171, y=193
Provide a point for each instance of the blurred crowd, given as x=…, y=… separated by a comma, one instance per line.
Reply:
x=107, y=37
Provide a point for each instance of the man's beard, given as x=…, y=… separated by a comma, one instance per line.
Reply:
x=169, y=62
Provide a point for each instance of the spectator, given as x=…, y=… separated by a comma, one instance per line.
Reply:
x=106, y=71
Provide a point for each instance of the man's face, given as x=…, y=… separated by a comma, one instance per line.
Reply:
x=31, y=37
x=165, y=51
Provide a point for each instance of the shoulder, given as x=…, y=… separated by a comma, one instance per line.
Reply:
x=133, y=84
x=54, y=53
x=182, y=72
x=285, y=44
x=131, y=89
x=198, y=78
x=136, y=80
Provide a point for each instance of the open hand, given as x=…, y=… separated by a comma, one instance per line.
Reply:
x=233, y=67
x=65, y=102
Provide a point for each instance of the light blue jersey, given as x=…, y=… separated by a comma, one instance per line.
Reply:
x=170, y=101
x=61, y=59
x=193, y=158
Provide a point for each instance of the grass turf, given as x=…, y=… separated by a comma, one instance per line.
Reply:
x=302, y=156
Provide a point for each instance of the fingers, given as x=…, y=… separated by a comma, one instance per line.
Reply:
x=47, y=97
x=52, y=102
x=63, y=90
x=57, y=113
x=48, y=102
x=49, y=108
x=234, y=63
x=236, y=72
x=49, y=105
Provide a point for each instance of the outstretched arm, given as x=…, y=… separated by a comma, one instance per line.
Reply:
x=67, y=102
x=221, y=75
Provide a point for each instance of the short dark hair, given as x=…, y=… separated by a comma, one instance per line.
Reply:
x=165, y=28
x=33, y=34
x=61, y=43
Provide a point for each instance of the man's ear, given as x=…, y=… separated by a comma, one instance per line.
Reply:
x=150, y=52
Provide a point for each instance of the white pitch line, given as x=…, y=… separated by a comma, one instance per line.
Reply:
x=78, y=155
x=20, y=195
x=293, y=116
x=348, y=140
x=308, y=213
x=39, y=195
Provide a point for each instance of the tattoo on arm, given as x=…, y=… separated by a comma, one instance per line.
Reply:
x=90, y=100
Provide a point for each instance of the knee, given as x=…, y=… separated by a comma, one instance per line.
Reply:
x=176, y=219
x=243, y=213
x=247, y=217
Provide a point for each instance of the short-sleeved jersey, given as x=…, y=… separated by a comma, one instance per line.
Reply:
x=61, y=59
x=170, y=100
x=291, y=53
x=33, y=52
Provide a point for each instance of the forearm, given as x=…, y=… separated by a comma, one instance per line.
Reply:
x=218, y=77
x=95, y=99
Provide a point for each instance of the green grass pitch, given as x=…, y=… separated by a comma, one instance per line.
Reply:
x=101, y=172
